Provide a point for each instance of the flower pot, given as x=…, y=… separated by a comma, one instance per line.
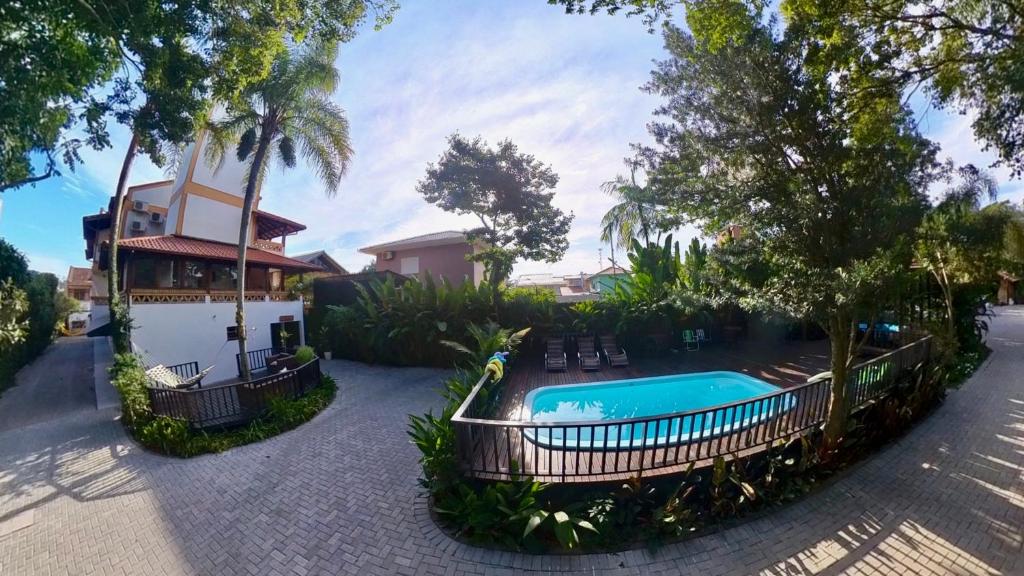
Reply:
x=327, y=355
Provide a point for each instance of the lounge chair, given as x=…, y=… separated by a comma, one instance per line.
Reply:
x=554, y=358
x=615, y=355
x=589, y=358
x=690, y=339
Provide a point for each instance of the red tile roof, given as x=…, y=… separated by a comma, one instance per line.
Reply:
x=209, y=250
x=79, y=276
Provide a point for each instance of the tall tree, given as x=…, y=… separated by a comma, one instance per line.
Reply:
x=752, y=135
x=510, y=194
x=287, y=114
x=967, y=53
x=960, y=243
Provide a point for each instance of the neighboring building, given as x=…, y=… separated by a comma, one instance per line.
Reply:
x=606, y=280
x=328, y=266
x=177, y=262
x=1007, y=293
x=78, y=287
x=440, y=254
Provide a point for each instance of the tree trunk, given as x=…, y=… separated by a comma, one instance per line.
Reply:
x=118, y=316
x=243, y=243
x=839, y=328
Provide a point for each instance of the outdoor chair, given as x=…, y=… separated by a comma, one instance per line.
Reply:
x=615, y=355
x=589, y=358
x=690, y=340
x=702, y=336
x=555, y=358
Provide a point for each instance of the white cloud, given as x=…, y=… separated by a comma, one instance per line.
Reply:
x=553, y=84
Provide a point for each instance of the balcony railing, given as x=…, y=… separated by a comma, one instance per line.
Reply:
x=269, y=246
x=589, y=451
x=184, y=296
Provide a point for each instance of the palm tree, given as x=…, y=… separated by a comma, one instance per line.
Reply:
x=634, y=215
x=287, y=113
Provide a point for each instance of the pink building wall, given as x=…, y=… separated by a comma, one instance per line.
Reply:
x=448, y=261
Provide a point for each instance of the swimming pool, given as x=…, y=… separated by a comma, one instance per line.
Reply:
x=560, y=410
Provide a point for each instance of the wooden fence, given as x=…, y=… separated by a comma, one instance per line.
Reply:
x=595, y=451
x=234, y=403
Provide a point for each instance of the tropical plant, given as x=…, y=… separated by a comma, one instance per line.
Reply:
x=485, y=341
x=283, y=115
x=304, y=354
x=634, y=216
x=509, y=193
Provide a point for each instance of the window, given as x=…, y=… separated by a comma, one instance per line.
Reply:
x=410, y=265
x=256, y=279
x=153, y=273
x=192, y=274
x=223, y=277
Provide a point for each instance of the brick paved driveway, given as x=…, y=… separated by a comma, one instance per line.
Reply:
x=339, y=496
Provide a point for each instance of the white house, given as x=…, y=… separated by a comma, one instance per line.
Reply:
x=177, y=262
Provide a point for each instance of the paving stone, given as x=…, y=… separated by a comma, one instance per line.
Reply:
x=339, y=496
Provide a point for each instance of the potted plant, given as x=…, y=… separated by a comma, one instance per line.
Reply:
x=324, y=344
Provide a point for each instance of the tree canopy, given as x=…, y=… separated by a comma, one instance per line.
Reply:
x=824, y=179
x=509, y=192
x=67, y=65
x=966, y=53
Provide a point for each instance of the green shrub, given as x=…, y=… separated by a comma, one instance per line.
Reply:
x=175, y=438
x=304, y=354
x=129, y=378
x=28, y=312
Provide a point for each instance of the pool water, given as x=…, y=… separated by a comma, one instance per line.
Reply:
x=650, y=397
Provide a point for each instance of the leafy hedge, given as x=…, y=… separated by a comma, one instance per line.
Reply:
x=29, y=313
x=405, y=324
x=174, y=437
x=527, y=515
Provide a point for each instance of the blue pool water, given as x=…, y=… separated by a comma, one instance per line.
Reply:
x=650, y=397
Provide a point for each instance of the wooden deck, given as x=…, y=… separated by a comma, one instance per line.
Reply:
x=784, y=364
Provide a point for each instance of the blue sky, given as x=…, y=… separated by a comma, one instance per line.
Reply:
x=564, y=88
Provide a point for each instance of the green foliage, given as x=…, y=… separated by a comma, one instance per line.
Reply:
x=304, y=354
x=66, y=66
x=129, y=379
x=29, y=313
x=174, y=438
x=968, y=54
x=509, y=192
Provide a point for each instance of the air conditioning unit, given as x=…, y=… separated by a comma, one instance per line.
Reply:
x=388, y=255
x=139, y=206
x=138, y=226
x=156, y=218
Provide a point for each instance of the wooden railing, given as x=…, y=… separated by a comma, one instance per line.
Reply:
x=592, y=451
x=268, y=245
x=257, y=359
x=185, y=370
x=186, y=296
x=235, y=403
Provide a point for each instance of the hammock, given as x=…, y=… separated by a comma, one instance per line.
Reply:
x=164, y=377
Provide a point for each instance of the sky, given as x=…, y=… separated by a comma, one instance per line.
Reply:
x=564, y=88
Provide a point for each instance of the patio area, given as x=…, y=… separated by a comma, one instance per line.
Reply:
x=782, y=363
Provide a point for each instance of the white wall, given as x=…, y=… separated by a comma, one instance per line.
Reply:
x=229, y=177
x=178, y=333
x=156, y=195
x=205, y=218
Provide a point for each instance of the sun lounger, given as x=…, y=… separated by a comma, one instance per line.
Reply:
x=615, y=355
x=554, y=358
x=589, y=358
